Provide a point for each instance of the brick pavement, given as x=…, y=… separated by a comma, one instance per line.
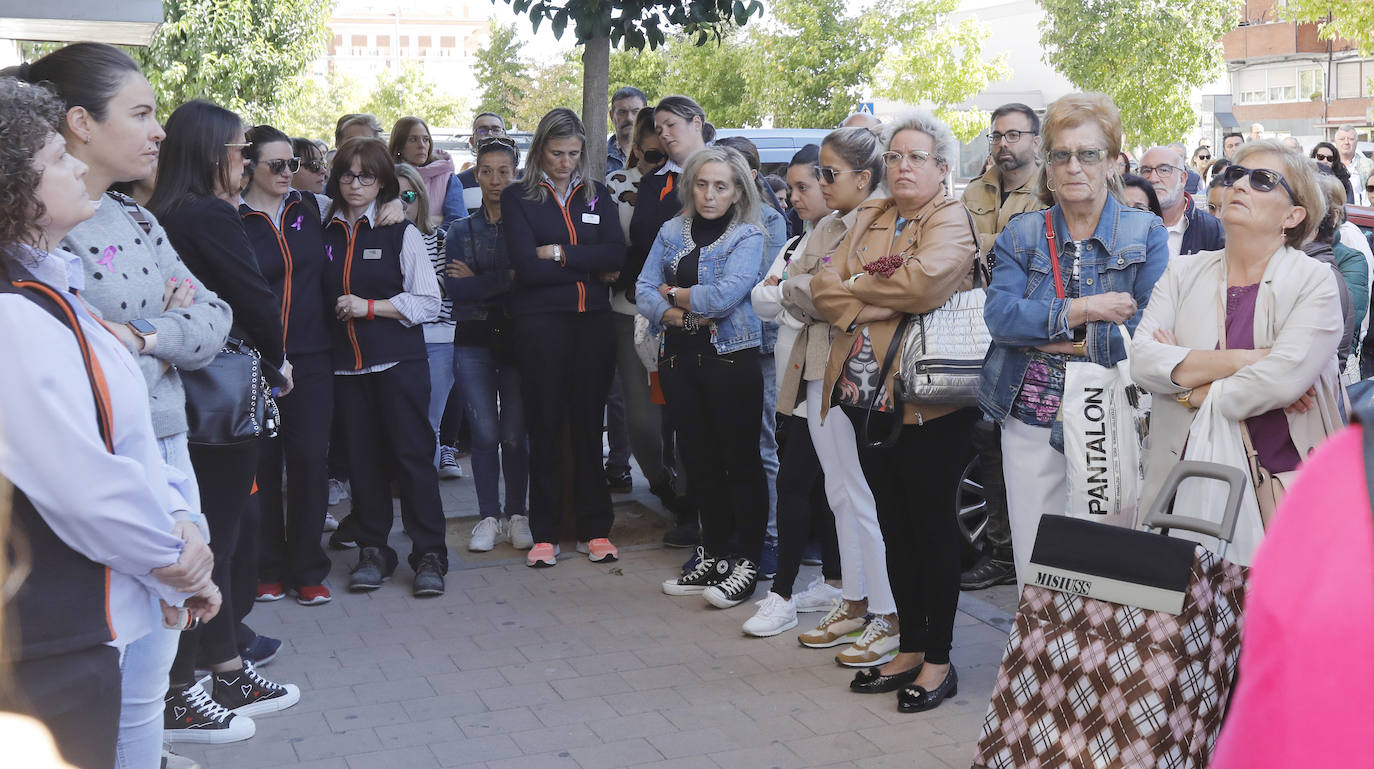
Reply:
x=585, y=666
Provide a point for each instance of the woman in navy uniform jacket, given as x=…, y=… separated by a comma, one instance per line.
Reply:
x=564, y=240
x=385, y=288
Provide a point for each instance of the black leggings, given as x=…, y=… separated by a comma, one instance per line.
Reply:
x=914, y=484
x=803, y=512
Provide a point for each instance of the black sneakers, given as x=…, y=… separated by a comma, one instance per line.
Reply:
x=986, y=573
x=244, y=692
x=736, y=585
x=369, y=572
x=189, y=715
x=429, y=577
x=698, y=578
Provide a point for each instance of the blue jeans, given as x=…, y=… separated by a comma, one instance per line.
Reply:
x=768, y=439
x=441, y=372
x=496, y=418
x=143, y=668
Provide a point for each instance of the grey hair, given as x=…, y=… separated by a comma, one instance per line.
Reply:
x=747, y=207
x=1347, y=128
x=1182, y=159
x=924, y=121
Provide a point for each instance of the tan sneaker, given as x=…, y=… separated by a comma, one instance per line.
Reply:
x=842, y=625
x=877, y=644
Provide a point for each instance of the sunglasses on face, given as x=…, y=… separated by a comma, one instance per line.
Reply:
x=409, y=196
x=278, y=165
x=313, y=166
x=654, y=157
x=1204, y=157
x=828, y=174
x=1261, y=180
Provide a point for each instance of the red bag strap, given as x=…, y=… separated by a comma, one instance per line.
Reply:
x=1054, y=256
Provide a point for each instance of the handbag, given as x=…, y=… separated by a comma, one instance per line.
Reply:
x=943, y=350
x=228, y=401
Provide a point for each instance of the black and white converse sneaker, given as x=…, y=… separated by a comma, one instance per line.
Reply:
x=736, y=585
x=189, y=715
x=698, y=578
x=247, y=693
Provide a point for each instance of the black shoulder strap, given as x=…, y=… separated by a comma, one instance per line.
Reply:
x=893, y=350
x=790, y=249
x=134, y=209
x=980, y=267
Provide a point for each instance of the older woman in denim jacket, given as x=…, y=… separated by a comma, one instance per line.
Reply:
x=1053, y=299
x=695, y=284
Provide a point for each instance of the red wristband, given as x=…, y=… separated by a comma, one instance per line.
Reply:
x=370, y=304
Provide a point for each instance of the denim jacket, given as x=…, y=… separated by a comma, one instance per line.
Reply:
x=1128, y=252
x=727, y=272
x=478, y=243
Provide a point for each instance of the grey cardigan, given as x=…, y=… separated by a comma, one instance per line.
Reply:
x=125, y=272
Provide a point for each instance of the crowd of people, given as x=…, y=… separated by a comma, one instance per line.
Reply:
x=742, y=337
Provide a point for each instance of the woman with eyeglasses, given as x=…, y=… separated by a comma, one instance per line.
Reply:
x=1063, y=279
x=283, y=226
x=479, y=278
x=199, y=178
x=1326, y=156
x=1274, y=371
x=312, y=172
x=412, y=143
x=383, y=287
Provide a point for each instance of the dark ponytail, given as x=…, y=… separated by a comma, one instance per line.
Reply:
x=84, y=75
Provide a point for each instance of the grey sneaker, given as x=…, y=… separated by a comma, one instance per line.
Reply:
x=429, y=577
x=369, y=572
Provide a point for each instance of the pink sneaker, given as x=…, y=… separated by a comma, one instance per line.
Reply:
x=542, y=555
x=599, y=550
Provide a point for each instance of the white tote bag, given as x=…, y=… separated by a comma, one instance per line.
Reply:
x=1104, y=414
x=1214, y=438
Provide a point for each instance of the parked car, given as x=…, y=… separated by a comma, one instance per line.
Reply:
x=777, y=145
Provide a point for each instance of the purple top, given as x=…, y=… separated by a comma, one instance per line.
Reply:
x=1268, y=431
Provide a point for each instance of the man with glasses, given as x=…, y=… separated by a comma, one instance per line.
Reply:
x=1190, y=228
x=1361, y=168
x=486, y=125
x=625, y=105
x=1006, y=189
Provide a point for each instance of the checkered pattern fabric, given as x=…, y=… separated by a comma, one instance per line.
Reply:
x=1087, y=684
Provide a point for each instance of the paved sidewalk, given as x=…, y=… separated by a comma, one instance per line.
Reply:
x=585, y=666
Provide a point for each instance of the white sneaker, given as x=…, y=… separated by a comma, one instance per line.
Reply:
x=449, y=468
x=876, y=645
x=519, y=532
x=486, y=534
x=818, y=596
x=338, y=491
x=330, y=522
x=775, y=615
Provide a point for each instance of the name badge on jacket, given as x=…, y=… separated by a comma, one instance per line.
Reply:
x=372, y=253
x=591, y=218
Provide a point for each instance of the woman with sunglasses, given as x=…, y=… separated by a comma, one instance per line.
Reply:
x=412, y=143
x=479, y=278
x=312, y=173
x=1274, y=373
x=1202, y=158
x=1106, y=258
x=1326, y=155
x=283, y=226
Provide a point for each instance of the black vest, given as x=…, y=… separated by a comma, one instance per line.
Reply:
x=292, y=260
x=366, y=263
x=63, y=603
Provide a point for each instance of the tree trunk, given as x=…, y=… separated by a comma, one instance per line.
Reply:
x=596, y=88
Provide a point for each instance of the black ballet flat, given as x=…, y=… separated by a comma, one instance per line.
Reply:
x=871, y=681
x=914, y=699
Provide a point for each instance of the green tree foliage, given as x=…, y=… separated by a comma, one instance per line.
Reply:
x=1148, y=55
x=408, y=91
x=316, y=105
x=502, y=74
x=718, y=74
x=241, y=54
x=1351, y=20
x=553, y=85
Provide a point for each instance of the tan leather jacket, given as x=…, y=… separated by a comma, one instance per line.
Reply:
x=983, y=198
x=940, y=250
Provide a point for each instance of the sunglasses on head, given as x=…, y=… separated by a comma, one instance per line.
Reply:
x=275, y=167
x=409, y=196
x=1261, y=179
x=493, y=141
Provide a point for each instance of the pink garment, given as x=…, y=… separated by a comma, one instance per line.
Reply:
x=1306, y=691
x=436, y=176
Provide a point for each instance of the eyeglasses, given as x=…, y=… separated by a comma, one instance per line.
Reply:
x=1086, y=157
x=313, y=166
x=1012, y=137
x=363, y=179
x=917, y=158
x=1324, y=157
x=278, y=165
x=409, y=196
x=827, y=174
x=489, y=130
x=1164, y=171
x=1261, y=179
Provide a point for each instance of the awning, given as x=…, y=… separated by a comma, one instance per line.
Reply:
x=128, y=22
x=1226, y=119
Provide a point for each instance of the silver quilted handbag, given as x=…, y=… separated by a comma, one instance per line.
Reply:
x=943, y=352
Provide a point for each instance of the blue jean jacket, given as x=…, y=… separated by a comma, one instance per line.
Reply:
x=1127, y=252
x=479, y=244
x=727, y=271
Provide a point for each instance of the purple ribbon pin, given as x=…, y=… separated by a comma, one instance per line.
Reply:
x=592, y=205
x=297, y=225
x=329, y=252
x=108, y=259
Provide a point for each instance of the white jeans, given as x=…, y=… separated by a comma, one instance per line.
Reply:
x=1037, y=483
x=863, y=558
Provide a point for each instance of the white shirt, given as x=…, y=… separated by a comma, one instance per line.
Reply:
x=1176, y=234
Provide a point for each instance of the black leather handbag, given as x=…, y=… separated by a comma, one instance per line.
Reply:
x=228, y=401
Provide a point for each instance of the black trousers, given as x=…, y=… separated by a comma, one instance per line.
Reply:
x=386, y=426
x=76, y=696
x=913, y=484
x=225, y=475
x=715, y=402
x=566, y=362
x=803, y=512
x=987, y=440
x=290, y=550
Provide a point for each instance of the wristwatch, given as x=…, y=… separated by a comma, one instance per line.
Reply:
x=672, y=296
x=1183, y=398
x=557, y=253
x=145, y=331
